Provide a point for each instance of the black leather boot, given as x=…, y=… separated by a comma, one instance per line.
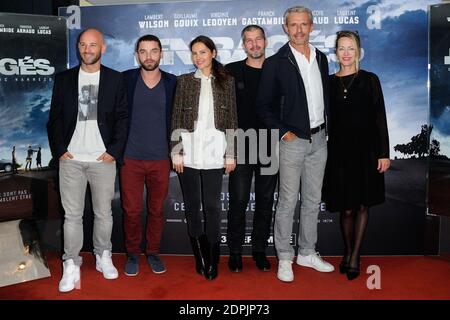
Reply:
x=212, y=261
x=198, y=245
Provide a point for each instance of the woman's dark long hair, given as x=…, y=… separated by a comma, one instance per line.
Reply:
x=218, y=69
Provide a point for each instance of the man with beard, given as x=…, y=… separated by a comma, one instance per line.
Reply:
x=87, y=149
x=247, y=73
x=146, y=158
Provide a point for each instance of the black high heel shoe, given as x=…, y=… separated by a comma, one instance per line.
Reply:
x=353, y=272
x=344, y=265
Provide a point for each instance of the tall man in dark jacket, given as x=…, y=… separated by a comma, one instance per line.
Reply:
x=247, y=74
x=86, y=143
x=150, y=98
x=293, y=98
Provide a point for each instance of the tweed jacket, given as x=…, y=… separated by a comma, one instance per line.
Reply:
x=185, y=110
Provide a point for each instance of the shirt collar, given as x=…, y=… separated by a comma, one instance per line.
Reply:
x=198, y=74
x=311, y=47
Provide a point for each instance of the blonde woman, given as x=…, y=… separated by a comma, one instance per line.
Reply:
x=358, y=148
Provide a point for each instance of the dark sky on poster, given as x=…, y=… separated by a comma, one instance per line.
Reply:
x=33, y=48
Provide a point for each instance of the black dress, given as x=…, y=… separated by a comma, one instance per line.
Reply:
x=358, y=137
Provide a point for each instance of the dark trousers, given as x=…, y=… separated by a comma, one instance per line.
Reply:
x=133, y=175
x=202, y=187
x=239, y=192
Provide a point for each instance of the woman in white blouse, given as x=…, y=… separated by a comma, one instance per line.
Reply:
x=203, y=123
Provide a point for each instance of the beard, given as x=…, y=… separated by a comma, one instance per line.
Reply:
x=149, y=66
x=256, y=54
x=91, y=58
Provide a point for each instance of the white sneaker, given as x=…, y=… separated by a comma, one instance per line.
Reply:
x=285, y=271
x=71, y=277
x=315, y=261
x=105, y=265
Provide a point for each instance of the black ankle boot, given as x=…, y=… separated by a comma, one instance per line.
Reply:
x=198, y=250
x=212, y=261
x=235, y=262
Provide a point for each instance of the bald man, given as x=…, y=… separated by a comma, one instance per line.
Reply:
x=87, y=131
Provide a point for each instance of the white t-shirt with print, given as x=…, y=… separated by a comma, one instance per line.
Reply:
x=87, y=143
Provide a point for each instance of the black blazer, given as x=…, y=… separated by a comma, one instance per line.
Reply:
x=281, y=102
x=112, y=113
x=170, y=83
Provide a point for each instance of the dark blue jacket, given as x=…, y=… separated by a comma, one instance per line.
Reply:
x=112, y=113
x=170, y=83
x=281, y=102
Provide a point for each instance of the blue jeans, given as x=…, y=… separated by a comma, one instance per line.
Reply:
x=301, y=161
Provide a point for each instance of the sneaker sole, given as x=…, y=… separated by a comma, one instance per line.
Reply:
x=158, y=272
x=131, y=274
x=313, y=267
x=284, y=280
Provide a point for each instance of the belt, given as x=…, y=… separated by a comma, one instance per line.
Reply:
x=317, y=129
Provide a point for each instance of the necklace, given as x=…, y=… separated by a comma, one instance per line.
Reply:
x=346, y=88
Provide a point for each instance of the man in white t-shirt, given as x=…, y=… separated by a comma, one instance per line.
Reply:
x=87, y=131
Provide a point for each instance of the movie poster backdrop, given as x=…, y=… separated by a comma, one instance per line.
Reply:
x=33, y=48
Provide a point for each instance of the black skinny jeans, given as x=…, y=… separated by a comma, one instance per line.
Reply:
x=202, y=186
